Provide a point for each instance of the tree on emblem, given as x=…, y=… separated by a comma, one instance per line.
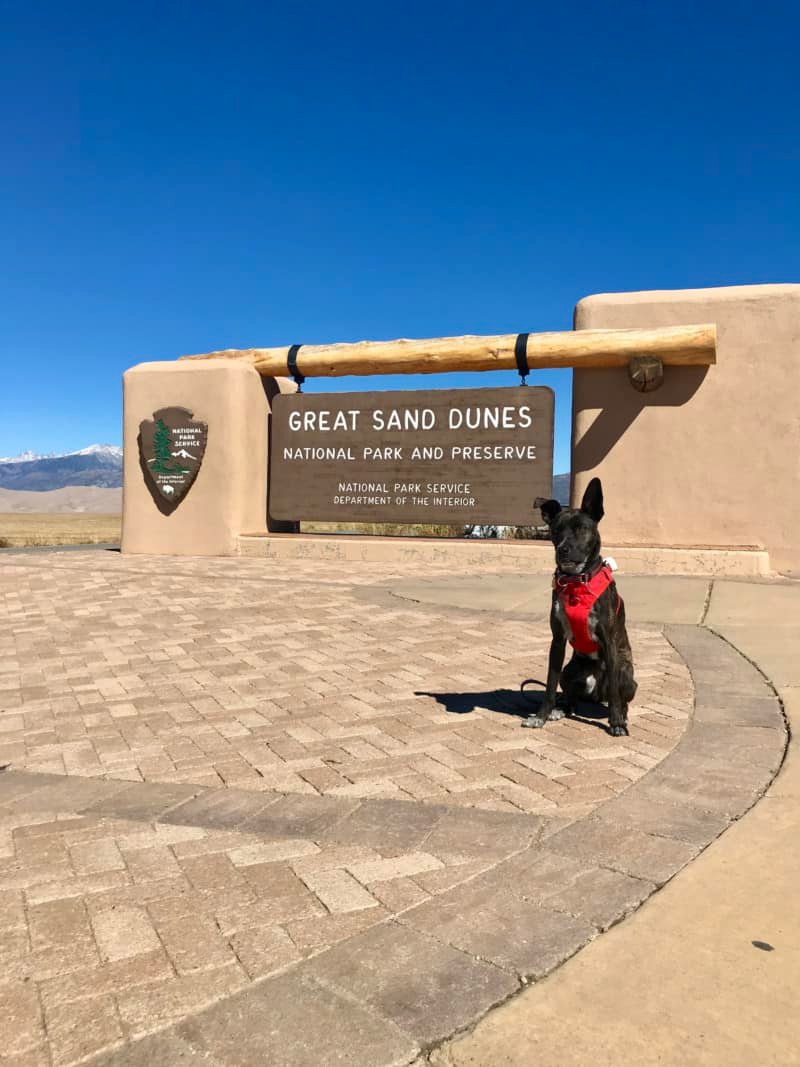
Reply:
x=162, y=446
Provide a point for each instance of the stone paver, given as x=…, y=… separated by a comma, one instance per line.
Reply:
x=425, y=987
x=293, y=1022
x=236, y=829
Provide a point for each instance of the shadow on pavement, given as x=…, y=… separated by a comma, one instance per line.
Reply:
x=512, y=702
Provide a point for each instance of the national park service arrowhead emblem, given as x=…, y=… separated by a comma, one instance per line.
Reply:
x=171, y=448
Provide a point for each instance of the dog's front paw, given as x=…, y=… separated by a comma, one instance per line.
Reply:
x=621, y=730
x=533, y=722
x=556, y=714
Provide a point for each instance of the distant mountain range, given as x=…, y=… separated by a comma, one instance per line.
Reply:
x=99, y=465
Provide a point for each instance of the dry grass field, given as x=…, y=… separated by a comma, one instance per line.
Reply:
x=24, y=529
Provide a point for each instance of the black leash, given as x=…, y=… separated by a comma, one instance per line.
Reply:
x=530, y=681
x=537, y=681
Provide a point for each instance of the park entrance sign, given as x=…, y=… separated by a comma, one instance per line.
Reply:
x=451, y=457
x=433, y=456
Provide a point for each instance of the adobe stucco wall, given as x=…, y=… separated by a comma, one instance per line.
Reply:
x=713, y=457
x=229, y=495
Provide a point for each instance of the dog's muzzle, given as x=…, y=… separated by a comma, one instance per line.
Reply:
x=570, y=566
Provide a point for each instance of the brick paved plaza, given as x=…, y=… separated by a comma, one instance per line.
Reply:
x=302, y=680
x=229, y=777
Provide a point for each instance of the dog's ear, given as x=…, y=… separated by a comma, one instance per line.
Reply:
x=548, y=508
x=592, y=503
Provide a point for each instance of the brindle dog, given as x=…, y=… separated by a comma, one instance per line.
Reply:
x=604, y=675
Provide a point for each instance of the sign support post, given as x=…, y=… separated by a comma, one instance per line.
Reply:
x=195, y=457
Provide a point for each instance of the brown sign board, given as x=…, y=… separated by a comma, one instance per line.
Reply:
x=433, y=456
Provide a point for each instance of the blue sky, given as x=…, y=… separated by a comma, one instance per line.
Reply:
x=178, y=177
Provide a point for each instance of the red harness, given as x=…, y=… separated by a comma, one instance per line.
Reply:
x=577, y=593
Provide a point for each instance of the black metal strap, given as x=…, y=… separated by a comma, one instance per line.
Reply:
x=291, y=363
x=521, y=356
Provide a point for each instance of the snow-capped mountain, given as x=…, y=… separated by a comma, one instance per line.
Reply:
x=26, y=457
x=113, y=451
x=95, y=465
x=91, y=450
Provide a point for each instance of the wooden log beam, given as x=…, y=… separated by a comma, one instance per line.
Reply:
x=683, y=346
